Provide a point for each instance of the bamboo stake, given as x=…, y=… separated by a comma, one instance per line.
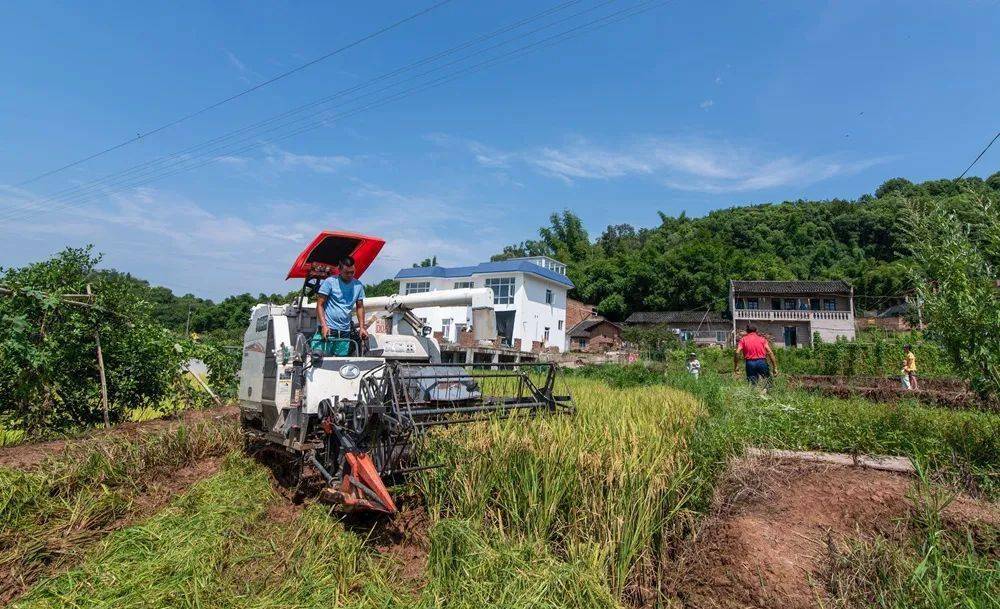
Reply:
x=100, y=368
x=204, y=385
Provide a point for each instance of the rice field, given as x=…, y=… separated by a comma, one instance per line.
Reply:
x=574, y=511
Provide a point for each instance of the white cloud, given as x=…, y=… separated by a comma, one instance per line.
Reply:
x=185, y=245
x=692, y=164
x=276, y=160
x=284, y=160
x=706, y=104
x=244, y=71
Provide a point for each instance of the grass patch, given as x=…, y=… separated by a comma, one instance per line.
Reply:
x=959, y=446
x=50, y=515
x=216, y=547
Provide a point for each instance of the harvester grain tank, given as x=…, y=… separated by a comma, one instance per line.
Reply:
x=355, y=419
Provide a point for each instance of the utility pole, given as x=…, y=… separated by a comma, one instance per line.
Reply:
x=187, y=326
x=100, y=368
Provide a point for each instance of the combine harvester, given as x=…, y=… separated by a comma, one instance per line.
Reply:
x=356, y=419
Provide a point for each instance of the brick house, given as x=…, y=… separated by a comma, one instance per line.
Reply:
x=700, y=327
x=791, y=313
x=594, y=334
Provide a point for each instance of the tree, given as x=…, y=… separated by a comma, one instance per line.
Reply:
x=956, y=261
x=385, y=287
x=426, y=262
x=895, y=186
x=48, y=368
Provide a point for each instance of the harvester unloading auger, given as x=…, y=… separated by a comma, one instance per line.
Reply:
x=355, y=419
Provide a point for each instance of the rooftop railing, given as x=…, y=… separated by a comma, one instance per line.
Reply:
x=790, y=315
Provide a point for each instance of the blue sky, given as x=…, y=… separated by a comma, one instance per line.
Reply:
x=691, y=106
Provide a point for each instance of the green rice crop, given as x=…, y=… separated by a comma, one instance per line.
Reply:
x=604, y=483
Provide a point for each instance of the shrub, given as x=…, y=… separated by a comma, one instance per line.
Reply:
x=48, y=369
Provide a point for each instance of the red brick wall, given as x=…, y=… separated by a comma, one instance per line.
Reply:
x=577, y=311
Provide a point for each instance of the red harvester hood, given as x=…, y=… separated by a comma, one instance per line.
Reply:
x=329, y=246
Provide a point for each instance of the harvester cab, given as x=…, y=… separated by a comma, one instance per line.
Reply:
x=355, y=418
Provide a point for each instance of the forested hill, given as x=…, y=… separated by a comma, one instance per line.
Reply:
x=686, y=263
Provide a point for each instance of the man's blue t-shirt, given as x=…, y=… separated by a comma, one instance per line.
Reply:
x=340, y=299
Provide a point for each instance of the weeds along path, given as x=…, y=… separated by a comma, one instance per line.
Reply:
x=784, y=533
x=52, y=515
x=31, y=455
x=960, y=447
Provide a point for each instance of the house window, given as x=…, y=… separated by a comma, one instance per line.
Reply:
x=753, y=303
x=463, y=285
x=548, y=296
x=776, y=304
x=560, y=324
x=545, y=336
x=446, y=328
x=503, y=289
x=740, y=303
x=814, y=304
x=582, y=343
x=803, y=304
x=417, y=287
x=789, y=304
x=829, y=304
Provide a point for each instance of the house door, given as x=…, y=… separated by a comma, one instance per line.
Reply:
x=505, y=326
x=791, y=336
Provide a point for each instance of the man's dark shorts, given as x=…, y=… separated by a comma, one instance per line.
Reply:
x=757, y=370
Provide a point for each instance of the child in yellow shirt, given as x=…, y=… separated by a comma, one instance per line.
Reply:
x=910, y=366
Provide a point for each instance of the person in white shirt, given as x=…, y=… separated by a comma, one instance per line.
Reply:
x=693, y=365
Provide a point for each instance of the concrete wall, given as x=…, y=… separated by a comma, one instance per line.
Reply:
x=830, y=330
x=775, y=332
x=534, y=315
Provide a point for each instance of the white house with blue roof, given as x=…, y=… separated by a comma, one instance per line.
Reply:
x=529, y=297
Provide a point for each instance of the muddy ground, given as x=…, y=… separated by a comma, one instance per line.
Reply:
x=951, y=393
x=777, y=524
x=29, y=456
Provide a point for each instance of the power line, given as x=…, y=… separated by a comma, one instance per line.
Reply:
x=995, y=137
x=549, y=41
x=221, y=102
x=74, y=191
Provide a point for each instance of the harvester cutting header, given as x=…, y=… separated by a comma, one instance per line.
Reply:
x=351, y=404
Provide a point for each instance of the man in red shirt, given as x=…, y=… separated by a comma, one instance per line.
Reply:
x=757, y=352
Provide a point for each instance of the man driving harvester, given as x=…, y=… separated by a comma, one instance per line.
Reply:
x=336, y=296
x=757, y=353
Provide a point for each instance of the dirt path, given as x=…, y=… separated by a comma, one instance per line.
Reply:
x=768, y=544
x=950, y=393
x=28, y=456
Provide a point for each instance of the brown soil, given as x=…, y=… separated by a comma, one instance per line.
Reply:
x=950, y=393
x=28, y=456
x=404, y=538
x=67, y=550
x=768, y=544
